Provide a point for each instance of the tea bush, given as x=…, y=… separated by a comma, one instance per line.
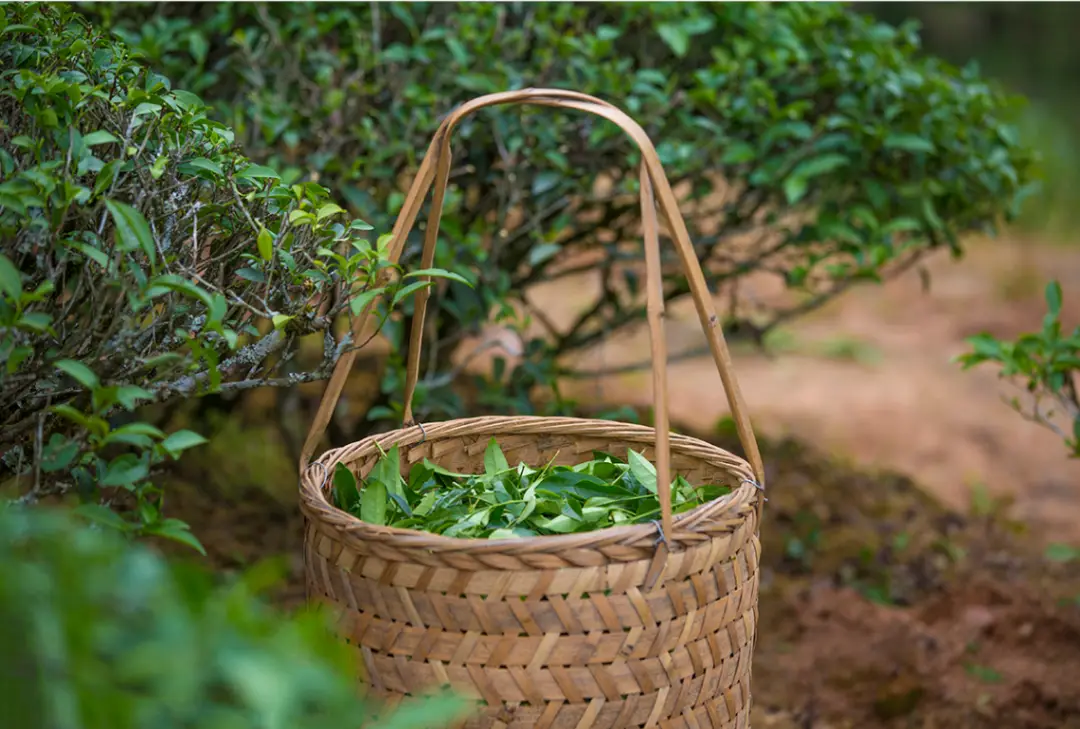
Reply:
x=1044, y=365
x=813, y=146
x=143, y=258
x=103, y=634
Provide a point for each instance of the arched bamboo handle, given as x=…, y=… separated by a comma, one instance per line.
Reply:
x=436, y=166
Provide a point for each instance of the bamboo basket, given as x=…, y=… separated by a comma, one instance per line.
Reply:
x=640, y=625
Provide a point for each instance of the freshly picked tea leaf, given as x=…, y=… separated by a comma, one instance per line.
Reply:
x=512, y=502
x=494, y=460
x=345, y=487
x=373, y=503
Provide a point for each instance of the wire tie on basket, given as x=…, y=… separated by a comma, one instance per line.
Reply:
x=756, y=485
x=325, y=470
x=660, y=530
x=423, y=433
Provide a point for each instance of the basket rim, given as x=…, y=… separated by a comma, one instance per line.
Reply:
x=316, y=506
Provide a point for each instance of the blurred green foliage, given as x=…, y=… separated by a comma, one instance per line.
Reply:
x=812, y=144
x=143, y=258
x=99, y=633
x=1030, y=47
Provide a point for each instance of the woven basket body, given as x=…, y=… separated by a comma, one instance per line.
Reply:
x=601, y=629
x=641, y=625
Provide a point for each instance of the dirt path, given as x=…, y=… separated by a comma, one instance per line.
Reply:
x=870, y=377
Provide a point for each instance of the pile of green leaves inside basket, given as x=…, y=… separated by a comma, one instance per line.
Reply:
x=513, y=501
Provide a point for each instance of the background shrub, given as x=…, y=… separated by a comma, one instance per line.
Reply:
x=813, y=146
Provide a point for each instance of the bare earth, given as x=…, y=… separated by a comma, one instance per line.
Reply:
x=870, y=377
x=976, y=630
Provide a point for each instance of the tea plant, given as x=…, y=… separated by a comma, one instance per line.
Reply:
x=513, y=501
x=1044, y=364
x=811, y=144
x=144, y=259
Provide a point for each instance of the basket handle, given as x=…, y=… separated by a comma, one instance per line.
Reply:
x=436, y=168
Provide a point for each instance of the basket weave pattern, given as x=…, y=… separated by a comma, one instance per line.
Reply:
x=595, y=631
x=635, y=625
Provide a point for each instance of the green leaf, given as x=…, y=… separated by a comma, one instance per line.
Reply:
x=435, y=468
x=162, y=360
x=328, y=210
x=677, y=39
x=177, y=531
x=901, y=225
x=583, y=485
x=106, y=176
x=439, y=273
x=474, y=520
x=19, y=28
x=10, y=279
x=99, y=137
x=266, y=244
x=16, y=357
x=79, y=372
x=426, y=503
x=561, y=524
x=103, y=515
x=145, y=430
x=125, y=471
x=373, y=503
x=180, y=441
x=909, y=143
x=1053, y=298
x=426, y=712
x=187, y=100
x=94, y=254
x=361, y=300
x=796, y=184
x=494, y=460
x=172, y=282
x=35, y=321
x=129, y=396
x=280, y=320
x=132, y=230
x=219, y=306
x=58, y=453
x=739, y=153
x=401, y=502
x=931, y=214
x=205, y=165
x=146, y=107
x=1062, y=553
x=346, y=495
x=513, y=533
x=158, y=168
x=643, y=471
x=388, y=471
x=543, y=252
x=405, y=291
x=983, y=673
x=258, y=172
x=75, y=416
x=303, y=216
